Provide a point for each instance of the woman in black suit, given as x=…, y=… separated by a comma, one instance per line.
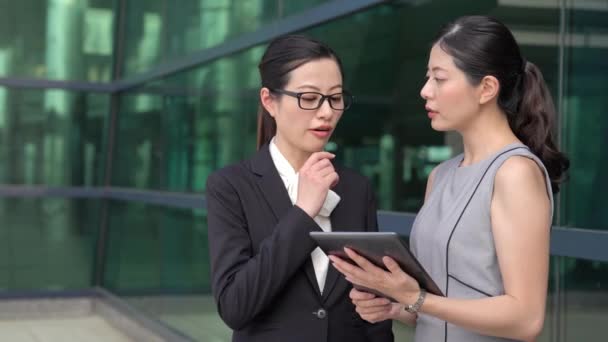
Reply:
x=269, y=280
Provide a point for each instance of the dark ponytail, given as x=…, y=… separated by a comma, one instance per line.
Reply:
x=283, y=55
x=267, y=127
x=534, y=123
x=482, y=46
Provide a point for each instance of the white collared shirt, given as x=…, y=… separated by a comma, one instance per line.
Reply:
x=290, y=179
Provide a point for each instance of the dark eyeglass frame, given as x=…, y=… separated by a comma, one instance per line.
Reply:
x=345, y=94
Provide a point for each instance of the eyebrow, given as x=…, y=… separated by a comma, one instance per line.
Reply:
x=316, y=88
x=438, y=69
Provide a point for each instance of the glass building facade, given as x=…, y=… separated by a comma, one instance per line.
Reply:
x=114, y=112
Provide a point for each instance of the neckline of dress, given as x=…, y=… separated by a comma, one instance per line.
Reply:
x=487, y=159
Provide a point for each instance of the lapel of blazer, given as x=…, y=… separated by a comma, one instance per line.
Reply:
x=272, y=187
x=334, y=280
x=270, y=183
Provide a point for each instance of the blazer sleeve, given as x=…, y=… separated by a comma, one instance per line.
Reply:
x=244, y=283
x=380, y=331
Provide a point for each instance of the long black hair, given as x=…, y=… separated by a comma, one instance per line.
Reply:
x=283, y=55
x=482, y=46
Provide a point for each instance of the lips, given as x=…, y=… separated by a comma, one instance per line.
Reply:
x=431, y=112
x=429, y=109
x=322, y=131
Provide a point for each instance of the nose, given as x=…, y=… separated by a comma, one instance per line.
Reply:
x=426, y=92
x=325, y=111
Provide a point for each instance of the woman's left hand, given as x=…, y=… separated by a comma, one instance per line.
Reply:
x=395, y=283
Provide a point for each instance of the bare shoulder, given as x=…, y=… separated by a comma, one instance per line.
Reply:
x=520, y=202
x=520, y=173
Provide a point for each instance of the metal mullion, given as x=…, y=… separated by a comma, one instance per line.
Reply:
x=102, y=237
x=34, y=83
x=558, y=326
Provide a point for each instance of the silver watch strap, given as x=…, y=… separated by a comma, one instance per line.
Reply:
x=413, y=308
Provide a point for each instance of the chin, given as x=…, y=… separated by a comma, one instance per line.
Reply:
x=438, y=126
x=313, y=146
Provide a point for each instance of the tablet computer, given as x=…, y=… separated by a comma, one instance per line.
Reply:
x=373, y=246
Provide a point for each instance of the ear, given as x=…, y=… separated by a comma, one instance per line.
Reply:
x=488, y=88
x=268, y=101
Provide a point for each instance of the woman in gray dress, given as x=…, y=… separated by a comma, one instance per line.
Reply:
x=483, y=231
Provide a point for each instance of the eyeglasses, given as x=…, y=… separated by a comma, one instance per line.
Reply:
x=311, y=100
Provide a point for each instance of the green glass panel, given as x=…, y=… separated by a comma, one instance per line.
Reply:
x=47, y=244
x=57, y=39
x=52, y=137
x=156, y=248
x=584, y=118
x=158, y=32
x=205, y=119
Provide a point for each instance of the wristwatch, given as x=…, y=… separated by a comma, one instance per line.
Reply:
x=413, y=308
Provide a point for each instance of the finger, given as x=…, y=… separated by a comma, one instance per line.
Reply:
x=335, y=181
x=331, y=179
x=346, y=268
x=337, y=264
x=352, y=275
x=361, y=261
x=325, y=173
x=372, y=303
x=360, y=295
x=321, y=165
x=392, y=265
x=315, y=157
x=335, y=259
x=340, y=266
x=375, y=318
x=372, y=310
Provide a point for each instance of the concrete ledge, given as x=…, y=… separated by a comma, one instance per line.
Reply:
x=95, y=303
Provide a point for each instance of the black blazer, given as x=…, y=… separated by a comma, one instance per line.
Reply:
x=263, y=280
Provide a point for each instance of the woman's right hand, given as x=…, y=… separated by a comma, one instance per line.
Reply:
x=316, y=177
x=373, y=308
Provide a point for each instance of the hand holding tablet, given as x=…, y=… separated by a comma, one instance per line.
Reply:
x=373, y=246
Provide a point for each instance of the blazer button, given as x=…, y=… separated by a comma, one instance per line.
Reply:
x=321, y=313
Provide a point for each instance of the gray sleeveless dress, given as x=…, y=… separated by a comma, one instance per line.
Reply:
x=452, y=238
